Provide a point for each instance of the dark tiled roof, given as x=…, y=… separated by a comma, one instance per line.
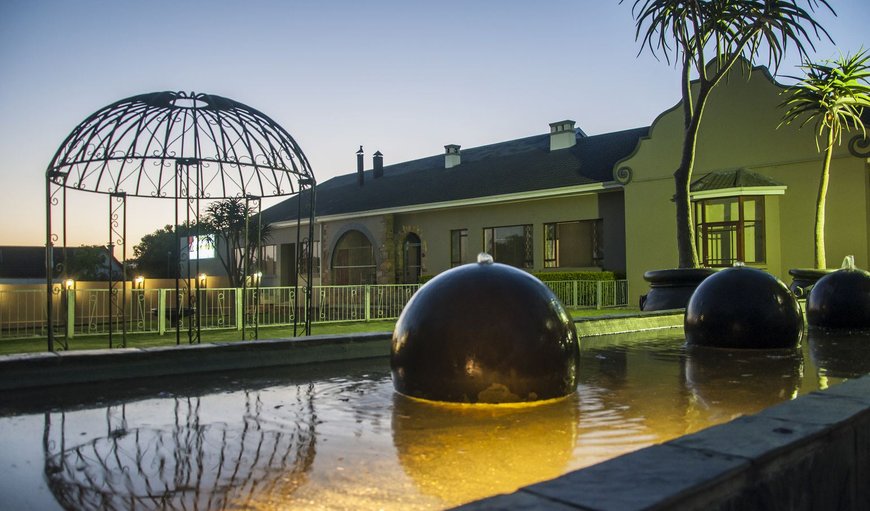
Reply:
x=516, y=166
x=739, y=178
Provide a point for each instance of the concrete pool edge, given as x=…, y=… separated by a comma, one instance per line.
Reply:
x=33, y=370
x=812, y=452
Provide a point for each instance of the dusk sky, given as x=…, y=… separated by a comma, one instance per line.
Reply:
x=404, y=78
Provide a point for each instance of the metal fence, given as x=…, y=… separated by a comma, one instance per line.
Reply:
x=89, y=311
x=590, y=294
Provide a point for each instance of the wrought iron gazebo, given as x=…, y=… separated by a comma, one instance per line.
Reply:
x=186, y=147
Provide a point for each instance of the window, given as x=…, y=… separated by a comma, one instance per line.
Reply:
x=315, y=260
x=510, y=245
x=353, y=261
x=573, y=244
x=269, y=260
x=730, y=229
x=412, y=249
x=458, y=247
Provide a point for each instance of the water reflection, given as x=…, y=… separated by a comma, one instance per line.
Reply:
x=666, y=388
x=460, y=452
x=840, y=354
x=181, y=460
x=727, y=383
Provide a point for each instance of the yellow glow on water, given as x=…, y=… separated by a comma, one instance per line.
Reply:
x=461, y=452
x=484, y=406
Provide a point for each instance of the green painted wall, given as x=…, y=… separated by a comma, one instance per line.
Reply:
x=740, y=129
x=434, y=227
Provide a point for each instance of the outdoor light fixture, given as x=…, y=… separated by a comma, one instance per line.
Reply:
x=139, y=282
x=202, y=280
x=258, y=277
x=69, y=284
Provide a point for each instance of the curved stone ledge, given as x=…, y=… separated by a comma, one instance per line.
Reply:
x=809, y=453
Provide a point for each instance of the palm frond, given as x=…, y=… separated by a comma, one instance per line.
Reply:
x=832, y=95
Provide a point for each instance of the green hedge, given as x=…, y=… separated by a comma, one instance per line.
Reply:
x=550, y=276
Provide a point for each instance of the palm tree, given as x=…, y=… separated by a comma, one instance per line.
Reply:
x=832, y=96
x=691, y=32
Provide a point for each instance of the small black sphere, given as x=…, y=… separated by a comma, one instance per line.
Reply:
x=841, y=300
x=743, y=307
x=484, y=333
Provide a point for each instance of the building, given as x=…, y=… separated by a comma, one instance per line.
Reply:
x=546, y=202
x=26, y=264
x=754, y=187
x=567, y=201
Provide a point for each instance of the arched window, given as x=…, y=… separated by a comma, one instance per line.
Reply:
x=353, y=260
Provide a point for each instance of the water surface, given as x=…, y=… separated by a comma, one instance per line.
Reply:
x=336, y=436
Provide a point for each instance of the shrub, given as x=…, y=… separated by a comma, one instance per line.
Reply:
x=549, y=276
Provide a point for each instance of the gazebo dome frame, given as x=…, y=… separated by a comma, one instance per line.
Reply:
x=185, y=147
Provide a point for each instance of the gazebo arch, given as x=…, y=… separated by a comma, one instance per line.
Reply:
x=185, y=147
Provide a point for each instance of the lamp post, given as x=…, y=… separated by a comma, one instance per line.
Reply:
x=69, y=304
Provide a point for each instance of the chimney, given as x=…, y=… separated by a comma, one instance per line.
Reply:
x=562, y=135
x=378, y=164
x=451, y=156
x=360, y=177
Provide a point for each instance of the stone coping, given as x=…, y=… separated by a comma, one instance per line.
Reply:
x=629, y=322
x=30, y=370
x=812, y=452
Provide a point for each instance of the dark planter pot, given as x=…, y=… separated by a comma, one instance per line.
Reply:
x=803, y=279
x=671, y=289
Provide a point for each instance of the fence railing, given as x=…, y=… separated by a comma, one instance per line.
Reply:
x=97, y=311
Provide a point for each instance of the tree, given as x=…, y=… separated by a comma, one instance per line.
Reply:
x=89, y=262
x=832, y=96
x=226, y=221
x=155, y=256
x=690, y=31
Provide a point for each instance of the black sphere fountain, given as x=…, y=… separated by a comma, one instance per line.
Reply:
x=742, y=307
x=841, y=300
x=484, y=333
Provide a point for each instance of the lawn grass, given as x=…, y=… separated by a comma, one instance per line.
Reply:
x=38, y=344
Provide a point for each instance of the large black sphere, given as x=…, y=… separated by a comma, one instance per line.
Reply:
x=484, y=333
x=743, y=307
x=841, y=300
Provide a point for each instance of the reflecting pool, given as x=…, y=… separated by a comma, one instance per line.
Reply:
x=336, y=436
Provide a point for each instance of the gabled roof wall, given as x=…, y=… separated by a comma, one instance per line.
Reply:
x=741, y=129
